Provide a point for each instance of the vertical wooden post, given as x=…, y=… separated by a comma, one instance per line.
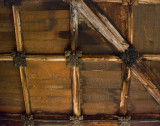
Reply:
x=126, y=70
x=20, y=47
x=75, y=70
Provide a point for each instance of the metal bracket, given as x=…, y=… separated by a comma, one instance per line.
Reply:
x=27, y=120
x=73, y=58
x=76, y=120
x=19, y=59
x=129, y=2
x=124, y=121
x=130, y=56
x=12, y=2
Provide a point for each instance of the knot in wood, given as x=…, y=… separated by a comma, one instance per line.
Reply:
x=124, y=121
x=19, y=59
x=9, y=3
x=27, y=120
x=73, y=58
x=76, y=120
x=130, y=56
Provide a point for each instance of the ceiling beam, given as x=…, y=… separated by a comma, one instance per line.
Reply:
x=148, y=79
x=85, y=58
x=20, y=48
x=87, y=118
x=75, y=70
x=126, y=70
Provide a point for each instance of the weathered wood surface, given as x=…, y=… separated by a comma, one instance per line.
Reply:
x=139, y=1
x=88, y=37
x=117, y=42
x=11, y=95
x=7, y=37
x=49, y=30
x=126, y=70
x=143, y=102
x=20, y=47
x=147, y=28
x=100, y=92
x=147, y=78
x=50, y=87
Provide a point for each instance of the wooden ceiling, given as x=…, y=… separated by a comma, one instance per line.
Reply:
x=102, y=90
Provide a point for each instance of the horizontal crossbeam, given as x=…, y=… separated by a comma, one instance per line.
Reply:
x=85, y=58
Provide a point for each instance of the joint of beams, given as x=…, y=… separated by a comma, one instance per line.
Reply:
x=130, y=2
x=130, y=56
x=124, y=121
x=19, y=59
x=9, y=3
x=73, y=59
x=27, y=120
x=76, y=120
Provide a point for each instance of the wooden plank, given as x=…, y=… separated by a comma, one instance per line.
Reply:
x=75, y=70
x=120, y=45
x=126, y=70
x=146, y=28
x=20, y=47
x=54, y=82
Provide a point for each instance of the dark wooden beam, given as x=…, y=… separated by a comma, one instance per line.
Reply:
x=148, y=79
x=20, y=47
x=91, y=118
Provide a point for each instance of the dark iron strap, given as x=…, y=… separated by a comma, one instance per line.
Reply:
x=76, y=120
x=19, y=59
x=27, y=120
x=124, y=121
x=130, y=56
x=73, y=58
x=9, y=3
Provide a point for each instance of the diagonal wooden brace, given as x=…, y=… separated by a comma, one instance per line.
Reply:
x=107, y=30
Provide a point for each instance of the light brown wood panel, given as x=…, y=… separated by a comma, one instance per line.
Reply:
x=46, y=46
x=147, y=28
x=100, y=91
x=49, y=87
x=145, y=123
x=140, y=101
x=7, y=35
x=45, y=31
x=101, y=124
x=39, y=15
x=11, y=96
x=45, y=25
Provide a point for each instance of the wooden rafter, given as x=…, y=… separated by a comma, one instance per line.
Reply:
x=74, y=69
x=126, y=70
x=20, y=47
x=148, y=79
